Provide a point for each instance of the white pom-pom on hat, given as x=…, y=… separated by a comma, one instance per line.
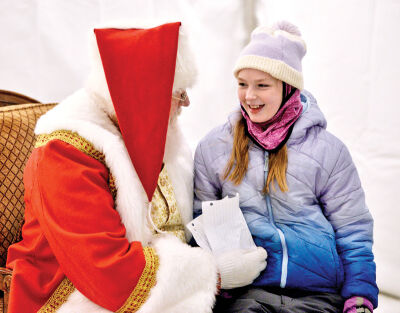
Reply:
x=287, y=27
x=281, y=28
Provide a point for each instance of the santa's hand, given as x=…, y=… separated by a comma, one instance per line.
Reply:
x=240, y=268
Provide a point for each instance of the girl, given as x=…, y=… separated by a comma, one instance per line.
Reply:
x=299, y=189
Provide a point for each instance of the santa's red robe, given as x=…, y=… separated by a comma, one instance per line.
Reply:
x=83, y=250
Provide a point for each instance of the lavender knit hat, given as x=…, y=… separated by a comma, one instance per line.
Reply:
x=277, y=50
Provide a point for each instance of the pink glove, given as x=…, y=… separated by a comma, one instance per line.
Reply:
x=358, y=305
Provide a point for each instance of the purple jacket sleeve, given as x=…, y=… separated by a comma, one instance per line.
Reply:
x=204, y=188
x=344, y=205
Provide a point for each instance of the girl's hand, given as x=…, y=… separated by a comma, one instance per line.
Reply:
x=240, y=268
x=358, y=305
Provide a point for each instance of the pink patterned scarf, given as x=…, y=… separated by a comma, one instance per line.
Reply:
x=273, y=132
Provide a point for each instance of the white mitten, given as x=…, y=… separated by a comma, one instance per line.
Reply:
x=240, y=268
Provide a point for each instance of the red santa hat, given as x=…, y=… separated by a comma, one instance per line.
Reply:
x=140, y=69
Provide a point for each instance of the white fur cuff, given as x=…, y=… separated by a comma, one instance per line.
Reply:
x=186, y=279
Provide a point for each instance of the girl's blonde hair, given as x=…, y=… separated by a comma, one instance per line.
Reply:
x=239, y=161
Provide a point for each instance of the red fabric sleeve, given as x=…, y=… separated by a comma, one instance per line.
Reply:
x=72, y=201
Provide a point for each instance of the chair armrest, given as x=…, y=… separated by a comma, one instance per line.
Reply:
x=5, y=284
x=5, y=279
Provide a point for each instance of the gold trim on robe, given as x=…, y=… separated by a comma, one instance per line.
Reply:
x=81, y=144
x=59, y=296
x=164, y=208
x=147, y=281
x=138, y=296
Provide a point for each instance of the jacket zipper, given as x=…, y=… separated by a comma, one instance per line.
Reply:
x=285, y=256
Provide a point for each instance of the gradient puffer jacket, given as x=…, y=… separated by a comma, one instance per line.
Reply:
x=318, y=235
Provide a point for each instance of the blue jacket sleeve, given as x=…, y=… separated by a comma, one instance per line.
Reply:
x=344, y=205
x=205, y=188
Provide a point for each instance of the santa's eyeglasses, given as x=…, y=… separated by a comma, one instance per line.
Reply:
x=182, y=96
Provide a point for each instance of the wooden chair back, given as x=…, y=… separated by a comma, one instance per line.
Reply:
x=17, y=123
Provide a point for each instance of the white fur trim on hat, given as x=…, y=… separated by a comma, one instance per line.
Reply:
x=275, y=68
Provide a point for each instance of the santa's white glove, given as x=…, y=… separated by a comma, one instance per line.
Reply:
x=240, y=268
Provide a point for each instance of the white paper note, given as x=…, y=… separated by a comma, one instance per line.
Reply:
x=222, y=226
x=196, y=228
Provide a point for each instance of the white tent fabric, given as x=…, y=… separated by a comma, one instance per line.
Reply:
x=352, y=67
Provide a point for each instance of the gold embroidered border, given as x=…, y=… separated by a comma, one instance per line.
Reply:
x=146, y=281
x=59, y=296
x=165, y=214
x=73, y=139
x=138, y=296
x=79, y=143
x=111, y=184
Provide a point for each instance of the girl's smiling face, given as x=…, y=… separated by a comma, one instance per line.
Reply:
x=259, y=93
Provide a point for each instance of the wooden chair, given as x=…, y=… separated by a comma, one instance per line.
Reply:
x=10, y=98
x=17, y=122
